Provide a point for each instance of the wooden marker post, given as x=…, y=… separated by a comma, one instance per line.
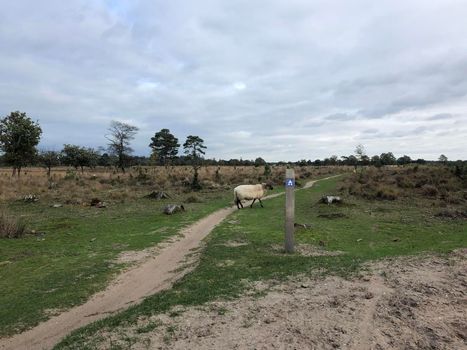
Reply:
x=289, y=210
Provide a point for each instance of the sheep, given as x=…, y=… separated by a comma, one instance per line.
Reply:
x=254, y=192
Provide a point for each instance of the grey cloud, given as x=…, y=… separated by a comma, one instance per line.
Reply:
x=440, y=116
x=340, y=117
x=317, y=78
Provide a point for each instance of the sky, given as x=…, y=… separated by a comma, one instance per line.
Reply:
x=281, y=80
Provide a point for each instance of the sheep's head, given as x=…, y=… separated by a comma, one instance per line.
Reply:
x=267, y=186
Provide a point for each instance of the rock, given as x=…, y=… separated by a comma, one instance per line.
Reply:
x=101, y=205
x=30, y=198
x=330, y=199
x=57, y=205
x=359, y=240
x=173, y=208
x=158, y=195
x=305, y=226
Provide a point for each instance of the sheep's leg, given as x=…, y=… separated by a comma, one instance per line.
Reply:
x=251, y=206
x=260, y=203
x=239, y=203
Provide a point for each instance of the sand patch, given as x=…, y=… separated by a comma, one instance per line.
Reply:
x=410, y=303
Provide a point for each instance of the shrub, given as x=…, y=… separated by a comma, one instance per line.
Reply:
x=193, y=199
x=387, y=193
x=70, y=175
x=429, y=190
x=11, y=227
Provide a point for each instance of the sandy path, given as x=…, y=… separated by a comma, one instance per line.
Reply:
x=129, y=288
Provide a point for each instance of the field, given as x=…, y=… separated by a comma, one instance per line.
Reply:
x=390, y=255
x=73, y=251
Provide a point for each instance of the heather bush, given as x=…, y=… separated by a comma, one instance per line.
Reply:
x=428, y=182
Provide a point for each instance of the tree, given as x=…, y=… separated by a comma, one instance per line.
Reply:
x=443, y=159
x=387, y=158
x=194, y=149
x=164, y=147
x=259, y=161
x=79, y=157
x=19, y=136
x=49, y=159
x=359, y=152
x=350, y=160
x=376, y=161
x=404, y=160
x=333, y=160
x=104, y=160
x=119, y=141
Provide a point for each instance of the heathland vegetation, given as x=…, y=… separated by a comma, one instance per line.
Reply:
x=58, y=247
x=246, y=251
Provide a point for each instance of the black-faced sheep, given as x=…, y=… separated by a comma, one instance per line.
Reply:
x=250, y=192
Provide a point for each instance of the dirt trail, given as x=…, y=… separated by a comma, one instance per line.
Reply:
x=129, y=288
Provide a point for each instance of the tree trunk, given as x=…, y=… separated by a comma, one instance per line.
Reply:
x=14, y=171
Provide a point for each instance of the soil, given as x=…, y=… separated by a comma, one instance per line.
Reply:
x=153, y=274
x=405, y=303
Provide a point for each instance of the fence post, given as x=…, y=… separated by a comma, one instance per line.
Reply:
x=289, y=210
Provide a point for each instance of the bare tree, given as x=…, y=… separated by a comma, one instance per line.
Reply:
x=119, y=141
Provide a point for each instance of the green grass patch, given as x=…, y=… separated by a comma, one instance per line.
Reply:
x=362, y=230
x=73, y=256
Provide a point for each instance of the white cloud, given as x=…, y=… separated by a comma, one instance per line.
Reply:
x=239, y=86
x=321, y=76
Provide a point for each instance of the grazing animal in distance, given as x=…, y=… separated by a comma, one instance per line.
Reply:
x=250, y=192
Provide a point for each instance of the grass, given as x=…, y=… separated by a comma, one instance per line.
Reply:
x=72, y=255
x=364, y=230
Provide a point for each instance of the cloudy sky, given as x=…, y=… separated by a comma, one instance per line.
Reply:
x=284, y=80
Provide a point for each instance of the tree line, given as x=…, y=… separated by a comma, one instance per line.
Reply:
x=20, y=135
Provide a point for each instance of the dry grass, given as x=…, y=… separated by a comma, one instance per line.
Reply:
x=68, y=186
x=435, y=183
x=10, y=227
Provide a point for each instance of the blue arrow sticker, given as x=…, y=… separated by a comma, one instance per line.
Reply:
x=289, y=182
